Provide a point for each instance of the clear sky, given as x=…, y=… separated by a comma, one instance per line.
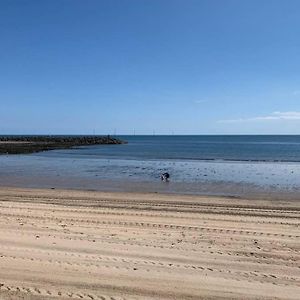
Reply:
x=188, y=67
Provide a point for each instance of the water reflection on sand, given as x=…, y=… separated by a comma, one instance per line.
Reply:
x=215, y=177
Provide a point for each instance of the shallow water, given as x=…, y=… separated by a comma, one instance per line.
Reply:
x=138, y=165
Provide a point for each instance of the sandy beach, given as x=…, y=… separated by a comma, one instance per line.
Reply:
x=94, y=245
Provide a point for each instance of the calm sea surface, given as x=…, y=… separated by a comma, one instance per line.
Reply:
x=231, y=165
x=235, y=148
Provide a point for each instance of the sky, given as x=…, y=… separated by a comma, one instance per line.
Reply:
x=140, y=66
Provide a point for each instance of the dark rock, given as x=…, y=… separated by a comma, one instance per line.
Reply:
x=31, y=144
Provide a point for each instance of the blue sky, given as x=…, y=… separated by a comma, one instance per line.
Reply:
x=188, y=67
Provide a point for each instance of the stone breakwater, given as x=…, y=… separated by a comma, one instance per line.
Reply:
x=31, y=144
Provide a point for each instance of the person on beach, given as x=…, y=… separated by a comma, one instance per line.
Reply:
x=165, y=177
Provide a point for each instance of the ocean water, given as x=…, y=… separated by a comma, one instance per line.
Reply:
x=223, y=165
x=282, y=148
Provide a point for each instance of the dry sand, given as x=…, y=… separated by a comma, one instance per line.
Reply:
x=93, y=245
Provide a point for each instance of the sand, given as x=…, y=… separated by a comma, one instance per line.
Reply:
x=92, y=245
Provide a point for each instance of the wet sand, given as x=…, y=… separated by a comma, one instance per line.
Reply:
x=66, y=170
x=94, y=245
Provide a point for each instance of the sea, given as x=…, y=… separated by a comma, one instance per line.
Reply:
x=229, y=165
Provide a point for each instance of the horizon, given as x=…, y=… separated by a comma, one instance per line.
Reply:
x=148, y=135
x=205, y=67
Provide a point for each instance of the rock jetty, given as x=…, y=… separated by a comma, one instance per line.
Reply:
x=31, y=144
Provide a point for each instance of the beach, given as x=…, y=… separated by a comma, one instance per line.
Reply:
x=72, y=244
x=150, y=150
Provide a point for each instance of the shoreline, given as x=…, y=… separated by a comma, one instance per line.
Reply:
x=208, y=189
x=66, y=169
x=262, y=201
x=104, y=245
